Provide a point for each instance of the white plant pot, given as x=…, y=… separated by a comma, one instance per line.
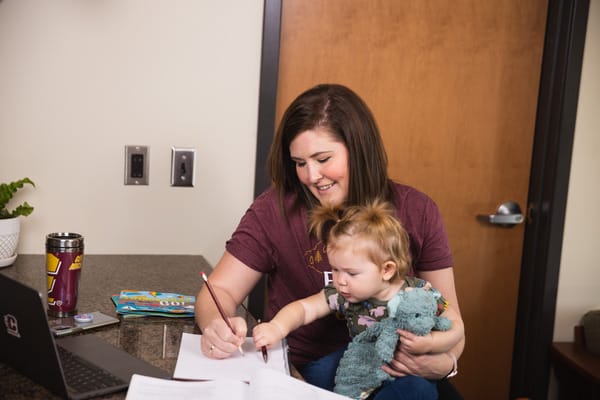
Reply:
x=9, y=239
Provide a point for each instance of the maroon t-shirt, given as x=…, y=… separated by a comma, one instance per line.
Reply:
x=296, y=262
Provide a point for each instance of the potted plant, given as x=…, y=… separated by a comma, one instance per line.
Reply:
x=10, y=225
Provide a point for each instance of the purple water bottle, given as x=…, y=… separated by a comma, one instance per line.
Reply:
x=64, y=256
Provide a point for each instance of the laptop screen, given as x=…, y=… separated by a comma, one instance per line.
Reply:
x=26, y=342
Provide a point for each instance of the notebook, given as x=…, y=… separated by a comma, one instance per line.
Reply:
x=28, y=345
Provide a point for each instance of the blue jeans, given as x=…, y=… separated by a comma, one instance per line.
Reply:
x=321, y=372
x=407, y=388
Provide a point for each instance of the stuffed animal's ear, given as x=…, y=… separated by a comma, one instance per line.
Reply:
x=394, y=303
x=442, y=324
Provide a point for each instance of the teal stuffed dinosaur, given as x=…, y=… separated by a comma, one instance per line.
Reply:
x=359, y=371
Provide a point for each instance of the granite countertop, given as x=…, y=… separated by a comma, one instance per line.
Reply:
x=153, y=339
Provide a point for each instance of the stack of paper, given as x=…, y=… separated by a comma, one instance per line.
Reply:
x=265, y=384
x=240, y=377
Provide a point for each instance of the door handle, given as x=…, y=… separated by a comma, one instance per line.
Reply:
x=508, y=215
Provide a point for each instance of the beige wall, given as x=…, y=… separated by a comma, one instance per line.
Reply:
x=79, y=80
x=579, y=283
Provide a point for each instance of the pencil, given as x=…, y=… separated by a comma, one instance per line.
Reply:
x=218, y=304
x=263, y=349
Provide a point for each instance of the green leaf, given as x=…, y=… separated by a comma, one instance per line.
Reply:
x=6, y=193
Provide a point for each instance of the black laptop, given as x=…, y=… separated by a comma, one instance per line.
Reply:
x=75, y=367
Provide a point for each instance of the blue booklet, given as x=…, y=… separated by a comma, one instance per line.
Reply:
x=144, y=302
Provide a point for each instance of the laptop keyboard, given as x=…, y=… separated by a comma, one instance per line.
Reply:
x=83, y=376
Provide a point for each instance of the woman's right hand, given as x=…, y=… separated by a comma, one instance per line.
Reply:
x=216, y=335
x=218, y=341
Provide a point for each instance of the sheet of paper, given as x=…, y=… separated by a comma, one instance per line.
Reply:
x=265, y=384
x=193, y=365
x=148, y=388
x=268, y=384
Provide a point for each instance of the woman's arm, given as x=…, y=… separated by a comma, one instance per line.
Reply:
x=432, y=365
x=232, y=281
x=289, y=318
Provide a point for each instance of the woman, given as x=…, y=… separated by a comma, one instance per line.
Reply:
x=327, y=150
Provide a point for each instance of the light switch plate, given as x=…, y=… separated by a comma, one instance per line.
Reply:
x=183, y=164
x=136, y=165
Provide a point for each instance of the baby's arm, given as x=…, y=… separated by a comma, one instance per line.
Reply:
x=290, y=317
x=435, y=341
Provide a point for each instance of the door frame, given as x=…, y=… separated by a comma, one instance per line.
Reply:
x=549, y=179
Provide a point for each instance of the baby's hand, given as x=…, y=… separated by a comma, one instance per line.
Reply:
x=416, y=344
x=266, y=334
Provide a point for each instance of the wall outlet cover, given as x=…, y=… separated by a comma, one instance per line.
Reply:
x=136, y=165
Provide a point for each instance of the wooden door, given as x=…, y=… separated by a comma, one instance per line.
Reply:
x=453, y=86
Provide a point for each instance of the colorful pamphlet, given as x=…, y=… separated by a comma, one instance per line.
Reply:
x=143, y=302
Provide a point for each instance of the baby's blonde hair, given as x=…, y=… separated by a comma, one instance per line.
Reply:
x=373, y=224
